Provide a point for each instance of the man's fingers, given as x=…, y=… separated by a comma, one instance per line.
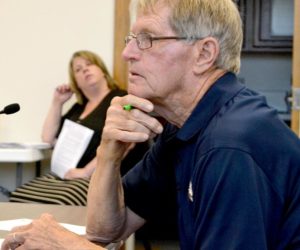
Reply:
x=134, y=120
x=12, y=241
x=135, y=102
x=125, y=136
x=146, y=120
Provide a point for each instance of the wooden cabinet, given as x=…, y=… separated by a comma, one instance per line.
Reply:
x=122, y=21
x=268, y=25
x=296, y=71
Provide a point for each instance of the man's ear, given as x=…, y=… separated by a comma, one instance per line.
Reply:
x=206, y=53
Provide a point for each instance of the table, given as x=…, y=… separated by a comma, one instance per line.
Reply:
x=21, y=154
x=66, y=214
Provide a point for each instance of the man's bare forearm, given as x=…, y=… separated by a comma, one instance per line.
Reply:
x=106, y=208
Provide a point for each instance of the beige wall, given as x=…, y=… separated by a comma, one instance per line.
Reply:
x=37, y=40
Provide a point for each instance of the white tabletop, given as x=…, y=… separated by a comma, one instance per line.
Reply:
x=20, y=155
x=20, y=152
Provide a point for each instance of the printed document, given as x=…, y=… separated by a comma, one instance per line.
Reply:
x=7, y=225
x=70, y=146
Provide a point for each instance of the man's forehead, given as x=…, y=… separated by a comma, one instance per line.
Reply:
x=152, y=8
x=152, y=21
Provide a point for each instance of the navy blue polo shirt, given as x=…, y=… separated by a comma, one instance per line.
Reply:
x=231, y=175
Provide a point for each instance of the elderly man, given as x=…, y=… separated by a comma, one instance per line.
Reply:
x=215, y=162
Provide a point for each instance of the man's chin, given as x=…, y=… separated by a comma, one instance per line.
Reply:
x=135, y=93
x=132, y=90
x=139, y=91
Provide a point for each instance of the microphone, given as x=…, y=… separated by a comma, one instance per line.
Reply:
x=10, y=109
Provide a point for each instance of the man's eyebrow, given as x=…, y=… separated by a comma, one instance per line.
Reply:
x=144, y=30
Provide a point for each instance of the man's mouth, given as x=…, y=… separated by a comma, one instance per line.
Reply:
x=133, y=73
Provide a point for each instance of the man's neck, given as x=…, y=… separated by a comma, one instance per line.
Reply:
x=178, y=110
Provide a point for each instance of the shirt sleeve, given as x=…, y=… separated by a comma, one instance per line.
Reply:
x=235, y=206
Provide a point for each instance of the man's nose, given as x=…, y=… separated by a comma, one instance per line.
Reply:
x=131, y=51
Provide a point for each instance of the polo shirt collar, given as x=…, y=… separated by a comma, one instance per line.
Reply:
x=220, y=93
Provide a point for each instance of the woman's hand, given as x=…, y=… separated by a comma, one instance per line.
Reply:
x=76, y=173
x=62, y=93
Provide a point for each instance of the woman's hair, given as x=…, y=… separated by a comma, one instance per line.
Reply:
x=94, y=59
x=203, y=18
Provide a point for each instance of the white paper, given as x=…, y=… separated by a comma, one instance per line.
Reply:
x=70, y=146
x=8, y=225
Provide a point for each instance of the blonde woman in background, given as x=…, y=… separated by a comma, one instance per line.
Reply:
x=94, y=88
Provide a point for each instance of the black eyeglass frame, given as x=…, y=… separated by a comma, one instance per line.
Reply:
x=148, y=37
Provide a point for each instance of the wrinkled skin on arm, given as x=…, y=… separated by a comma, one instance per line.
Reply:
x=108, y=218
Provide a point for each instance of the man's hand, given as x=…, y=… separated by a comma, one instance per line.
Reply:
x=45, y=234
x=124, y=127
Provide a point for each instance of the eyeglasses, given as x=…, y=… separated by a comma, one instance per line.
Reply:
x=144, y=40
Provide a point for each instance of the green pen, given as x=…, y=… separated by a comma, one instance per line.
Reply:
x=128, y=107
